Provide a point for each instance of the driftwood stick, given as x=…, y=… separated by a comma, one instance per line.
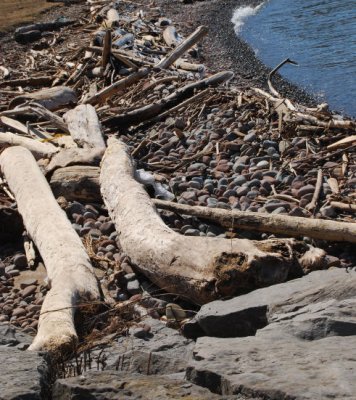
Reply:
x=344, y=206
x=51, y=98
x=195, y=37
x=315, y=198
x=106, y=49
x=49, y=116
x=280, y=224
x=182, y=105
x=67, y=263
x=30, y=81
x=274, y=70
x=122, y=84
x=152, y=110
x=37, y=148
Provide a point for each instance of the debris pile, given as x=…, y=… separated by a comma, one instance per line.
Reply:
x=117, y=99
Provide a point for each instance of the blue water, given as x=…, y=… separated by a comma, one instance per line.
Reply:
x=319, y=34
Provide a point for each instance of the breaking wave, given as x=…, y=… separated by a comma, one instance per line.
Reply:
x=241, y=14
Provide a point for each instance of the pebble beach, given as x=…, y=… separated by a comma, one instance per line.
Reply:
x=230, y=148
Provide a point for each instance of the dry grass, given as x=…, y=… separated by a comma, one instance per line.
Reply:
x=13, y=12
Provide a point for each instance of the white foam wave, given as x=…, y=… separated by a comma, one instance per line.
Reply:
x=241, y=14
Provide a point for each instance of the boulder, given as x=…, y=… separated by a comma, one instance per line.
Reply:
x=275, y=365
x=244, y=315
x=24, y=375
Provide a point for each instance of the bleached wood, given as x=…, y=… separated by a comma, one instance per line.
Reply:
x=51, y=98
x=37, y=148
x=84, y=127
x=68, y=266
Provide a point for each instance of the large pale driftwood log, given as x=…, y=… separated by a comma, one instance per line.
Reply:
x=76, y=183
x=68, y=266
x=84, y=127
x=152, y=110
x=200, y=269
x=51, y=98
x=37, y=148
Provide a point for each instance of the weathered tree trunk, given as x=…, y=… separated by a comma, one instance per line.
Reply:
x=38, y=149
x=68, y=266
x=84, y=127
x=200, y=269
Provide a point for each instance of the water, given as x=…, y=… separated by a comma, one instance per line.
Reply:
x=319, y=34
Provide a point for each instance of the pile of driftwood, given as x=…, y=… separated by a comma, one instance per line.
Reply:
x=80, y=117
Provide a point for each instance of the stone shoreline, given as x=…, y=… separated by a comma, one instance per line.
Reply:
x=223, y=49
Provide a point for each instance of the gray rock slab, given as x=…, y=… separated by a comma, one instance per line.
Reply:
x=276, y=366
x=162, y=351
x=112, y=385
x=23, y=375
x=244, y=315
x=9, y=336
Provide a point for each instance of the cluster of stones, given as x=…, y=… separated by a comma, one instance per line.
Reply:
x=20, y=304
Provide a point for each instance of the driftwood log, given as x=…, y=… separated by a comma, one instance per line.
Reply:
x=82, y=183
x=51, y=98
x=68, y=266
x=200, y=269
x=38, y=149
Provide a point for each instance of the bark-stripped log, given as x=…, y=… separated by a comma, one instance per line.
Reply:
x=68, y=266
x=152, y=110
x=77, y=183
x=51, y=98
x=84, y=127
x=38, y=149
x=200, y=269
